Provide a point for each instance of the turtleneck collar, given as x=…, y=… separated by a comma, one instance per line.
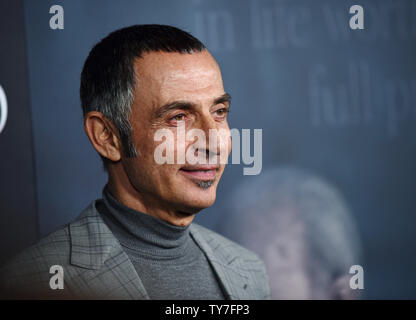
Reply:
x=142, y=232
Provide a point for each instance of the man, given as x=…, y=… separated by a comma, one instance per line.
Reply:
x=138, y=241
x=302, y=228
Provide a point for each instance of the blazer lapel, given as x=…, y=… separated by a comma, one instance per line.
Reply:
x=234, y=280
x=107, y=271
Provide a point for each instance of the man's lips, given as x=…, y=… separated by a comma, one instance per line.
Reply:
x=200, y=172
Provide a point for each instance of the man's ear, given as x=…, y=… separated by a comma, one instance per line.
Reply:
x=103, y=135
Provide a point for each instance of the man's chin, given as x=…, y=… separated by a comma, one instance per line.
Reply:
x=196, y=194
x=204, y=184
x=201, y=196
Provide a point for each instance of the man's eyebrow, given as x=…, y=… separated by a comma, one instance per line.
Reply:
x=186, y=105
x=172, y=106
x=223, y=99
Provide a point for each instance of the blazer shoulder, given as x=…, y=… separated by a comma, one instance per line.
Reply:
x=54, y=247
x=29, y=270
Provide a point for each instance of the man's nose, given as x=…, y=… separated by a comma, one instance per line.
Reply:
x=207, y=123
x=215, y=147
x=210, y=128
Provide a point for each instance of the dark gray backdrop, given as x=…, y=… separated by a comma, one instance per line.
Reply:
x=18, y=210
x=336, y=101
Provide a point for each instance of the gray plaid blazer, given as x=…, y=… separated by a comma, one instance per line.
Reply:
x=96, y=267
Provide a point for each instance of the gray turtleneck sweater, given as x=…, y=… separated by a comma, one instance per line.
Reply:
x=166, y=258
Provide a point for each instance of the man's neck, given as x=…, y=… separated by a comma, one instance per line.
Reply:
x=130, y=197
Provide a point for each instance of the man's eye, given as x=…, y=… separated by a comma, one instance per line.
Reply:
x=221, y=112
x=179, y=117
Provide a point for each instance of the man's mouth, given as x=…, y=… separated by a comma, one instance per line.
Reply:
x=200, y=172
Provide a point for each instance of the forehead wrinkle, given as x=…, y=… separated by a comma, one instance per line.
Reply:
x=164, y=77
x=173, y=85
x=193, y=91
x=192, y=81
x=156, y=64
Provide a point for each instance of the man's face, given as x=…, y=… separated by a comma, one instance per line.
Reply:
x=174, y=91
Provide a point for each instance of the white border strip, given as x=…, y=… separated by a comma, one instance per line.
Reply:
x=3, y=107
